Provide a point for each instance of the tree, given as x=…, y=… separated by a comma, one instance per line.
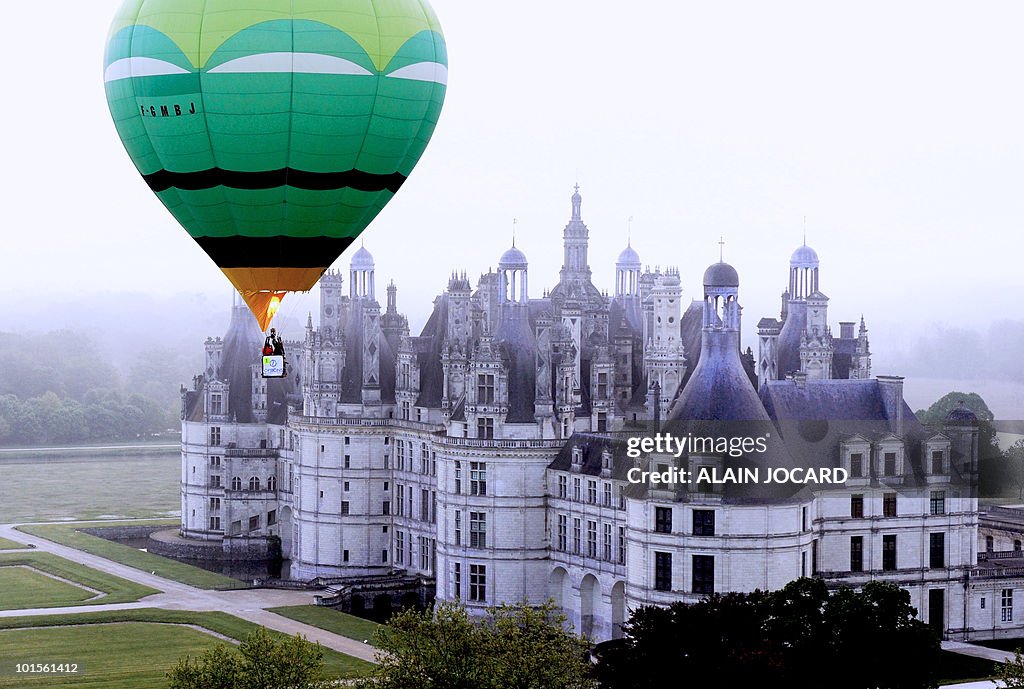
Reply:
x=261, y=661
x=1014, y=456
x=1012, y=671
x=792, y=637
x=937, y=413
x=516, y=647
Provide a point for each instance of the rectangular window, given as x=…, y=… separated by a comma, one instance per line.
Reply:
x=457, y=581
x=215, y=435
x=216, y=400
x=384, y=556
x=478, y=478
x=937, y=463
x=424, y=504
x=458, y=527
x=478, y=583
x=400, y=489
x=254, y=522
x=214, y=504
x=622, y=545
x=400, y=455
x=215, y=461
x=856, y=465
x=1007, y=605
x=576, y=536
x=889, y=505
x=937, y=503
x=563, y=532
x=344, y=555
x=803, y=519
x=591, y=538
x=433, y=507
x=592, y=492
x=662, y=571
x=889, y=553
x=607, y=495
x=214, y=523
x=890, y=464
x=485, y=389
x=563, y=487
x=663, y=519
x=856, y=553
x=576, y=494
x=608, y=542
x=485, y=428
x=477, y=529
x=602, y=421
x=346, y=487
x=348, y=462
x=386, y=508
x=458, y=477
x=344, y=506
x=271, y=517
x=857, y=506
x=937, y=550
x=703, y=574
x=622, y=497
x=424, y=553
x=602, y=387
x=399, y=547
x=703, y=522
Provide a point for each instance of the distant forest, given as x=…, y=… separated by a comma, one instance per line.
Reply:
x=59, y=387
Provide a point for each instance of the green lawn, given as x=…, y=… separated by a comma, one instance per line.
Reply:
x=6, y=544
x=21, y=587
x=68, y=534
x=136, y=483
x=23, y=592
x=137, y=666
x=332, y=620
x=115, y=656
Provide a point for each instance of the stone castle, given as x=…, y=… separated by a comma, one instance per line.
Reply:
x=488, y=456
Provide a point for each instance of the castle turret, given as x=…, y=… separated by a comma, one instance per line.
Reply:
x=719, y=388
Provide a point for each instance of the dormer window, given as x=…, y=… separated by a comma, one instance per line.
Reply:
x=938, y=463
x=577, y=458
x=606, y=463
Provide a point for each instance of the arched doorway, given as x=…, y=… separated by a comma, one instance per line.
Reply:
x=556, y=586
x=618, y=609
x=590, y=597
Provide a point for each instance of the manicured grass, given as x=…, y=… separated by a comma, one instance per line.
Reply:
x=20, y=594
x=336, y=665
x=332, y=620
x=117, y=656
x=68, y=534
x=137, y=483
x=6, y=544
x=21, y=587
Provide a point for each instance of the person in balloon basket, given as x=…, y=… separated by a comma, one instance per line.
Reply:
x=274, y=346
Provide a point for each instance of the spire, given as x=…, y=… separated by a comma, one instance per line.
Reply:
x=514, y=223
x=577, y=201
x=721, y=249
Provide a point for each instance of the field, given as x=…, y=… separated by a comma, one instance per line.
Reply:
x=80, y=484
x=6, y=544
x=332, y=620
x=68, y=534
x=147, y=644
x=20, y=587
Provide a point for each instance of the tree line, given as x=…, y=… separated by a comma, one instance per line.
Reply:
x=58, y=387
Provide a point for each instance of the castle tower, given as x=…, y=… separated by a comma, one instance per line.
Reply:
x=331, y=316
x=719, y=388
x=816, y=347
x=576, y=240
x=860, y=368
x=361, y=275
x=627, y=273
x=664, y=355
x=512, y=274
x=803, y=281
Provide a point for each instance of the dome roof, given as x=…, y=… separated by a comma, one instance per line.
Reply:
x=513, y=258
x=961, y=413
x=721, y=275
x=362, y=258
x=804, y=255
x=629, y=257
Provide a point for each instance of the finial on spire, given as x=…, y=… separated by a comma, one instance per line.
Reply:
x=629, y=232
x=805, y=230
x=721, y=249
x=577, y=187
x=514, y=223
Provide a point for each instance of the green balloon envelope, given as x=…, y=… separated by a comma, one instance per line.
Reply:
x=275, y=130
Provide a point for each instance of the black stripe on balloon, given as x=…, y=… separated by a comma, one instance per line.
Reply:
x=274, y=252
x=162, y=180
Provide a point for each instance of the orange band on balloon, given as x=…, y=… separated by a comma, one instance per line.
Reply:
x=264, y=288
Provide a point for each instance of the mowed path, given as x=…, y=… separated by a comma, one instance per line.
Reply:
x=248, y=604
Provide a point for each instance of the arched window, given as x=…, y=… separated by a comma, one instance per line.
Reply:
x=254, y=483
x=236, y=483
x=272, y=483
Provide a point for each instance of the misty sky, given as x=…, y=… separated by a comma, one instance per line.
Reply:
x=895, y=128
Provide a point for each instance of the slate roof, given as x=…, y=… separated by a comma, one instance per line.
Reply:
x=243, y=345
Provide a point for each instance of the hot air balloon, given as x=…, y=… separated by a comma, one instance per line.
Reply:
x=275, y=130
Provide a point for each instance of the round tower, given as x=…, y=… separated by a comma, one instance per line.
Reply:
x=627, y=273
x=361, y=275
